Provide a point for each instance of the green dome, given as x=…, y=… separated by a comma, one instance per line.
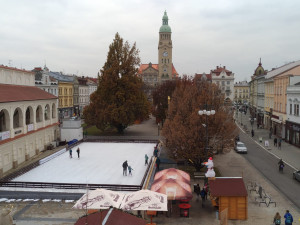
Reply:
x=165, y=27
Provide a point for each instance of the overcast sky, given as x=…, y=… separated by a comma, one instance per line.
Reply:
x=73, y=36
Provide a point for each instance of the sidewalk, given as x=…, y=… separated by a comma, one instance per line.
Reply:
x=289, y=153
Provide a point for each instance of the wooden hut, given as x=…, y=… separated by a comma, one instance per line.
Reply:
x=230, y=193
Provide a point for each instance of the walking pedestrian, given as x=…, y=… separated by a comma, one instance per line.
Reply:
x=146, y=159
x=275, y=142
x=70, y=151
x=277, y=219
x=288, y=218
x=157, y=163
x=279, y=144
x=202, y=193
x=155, y=153
x=252, y=133
x=125, y=165
x=129, y=170
x=78, y=152
x=197, y=191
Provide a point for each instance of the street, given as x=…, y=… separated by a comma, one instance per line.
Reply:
x=267, y=164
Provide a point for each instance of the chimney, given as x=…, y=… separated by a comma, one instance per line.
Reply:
x=224, y=67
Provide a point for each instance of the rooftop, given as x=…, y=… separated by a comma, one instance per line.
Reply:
x=228, y=186
x=17, y=93
x=282, y=69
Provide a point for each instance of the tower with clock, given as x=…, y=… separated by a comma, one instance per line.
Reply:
x=165, y=64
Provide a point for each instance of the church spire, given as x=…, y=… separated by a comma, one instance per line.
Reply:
x=165, y=19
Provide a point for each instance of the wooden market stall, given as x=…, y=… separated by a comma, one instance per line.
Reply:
x=230, y=193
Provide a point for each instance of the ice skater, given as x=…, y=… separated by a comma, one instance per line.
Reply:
x=146, y=159
x=78, y=152
x=129, y=170
x=125, y=165
x=70, y=151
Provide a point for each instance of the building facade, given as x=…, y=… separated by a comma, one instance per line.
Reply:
x=288, y=74
x=45, y=82
x=258, y=74
x=65, y=94
x=28, y=120
x=242, y=92
x=84, y=96
x=225, y=80
x=292, y=131
x=9, y=75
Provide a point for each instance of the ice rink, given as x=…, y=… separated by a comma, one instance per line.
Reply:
x=99, y=163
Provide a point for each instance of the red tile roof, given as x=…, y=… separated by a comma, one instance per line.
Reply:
x=207, y=75
x=155, y=66
x=16, y=93
x=218, y=70
x=12, y=68
x=227, y=187
x=117, y=217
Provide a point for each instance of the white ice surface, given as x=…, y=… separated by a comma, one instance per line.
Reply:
x=99, y=163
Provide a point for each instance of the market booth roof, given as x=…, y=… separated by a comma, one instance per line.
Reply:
x=227, y=186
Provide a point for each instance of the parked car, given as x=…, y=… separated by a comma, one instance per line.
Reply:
x=240, y=147
x=296, y=175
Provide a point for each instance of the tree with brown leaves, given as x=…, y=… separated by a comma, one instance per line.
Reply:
x=185, y=130
x=119, y=99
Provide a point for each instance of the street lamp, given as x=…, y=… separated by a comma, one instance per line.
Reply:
x=206, y=113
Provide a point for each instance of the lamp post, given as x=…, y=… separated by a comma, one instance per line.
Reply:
x=206, y=113
x=158, y=128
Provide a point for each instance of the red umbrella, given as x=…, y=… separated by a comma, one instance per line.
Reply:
x=174, y=189
x=173, y=173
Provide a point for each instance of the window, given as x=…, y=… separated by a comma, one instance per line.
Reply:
x=223, y=83
x=296, y=109
x=228, y=82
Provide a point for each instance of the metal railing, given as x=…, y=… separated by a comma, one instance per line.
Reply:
x=113, y=187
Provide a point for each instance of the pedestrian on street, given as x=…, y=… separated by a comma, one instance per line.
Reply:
x=252, y=133
x=288, y=218
x=125, y=165
x=203, y=193
x=279, y=144
x=129, y=170
x=277, y=219
x=70, y=151
x=78, y=152
x=155, y=153
x=197, y=191
x=146, y=159
x=275, y=142
x=157, y=163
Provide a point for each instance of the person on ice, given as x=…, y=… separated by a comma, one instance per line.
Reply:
x=70, y=151
x=129, y=170
x=146, y=159
x=125, y=165
x=78, y=152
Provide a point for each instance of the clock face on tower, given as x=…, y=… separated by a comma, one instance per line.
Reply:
x=165, y=54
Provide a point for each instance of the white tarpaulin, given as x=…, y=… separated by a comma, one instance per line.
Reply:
x=145, y=200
